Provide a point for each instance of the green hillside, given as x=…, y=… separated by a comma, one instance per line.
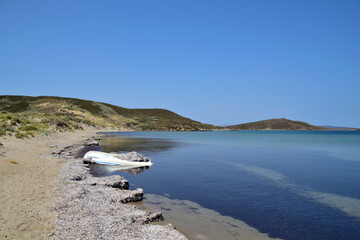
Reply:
x=24, y=116
x=275, y=124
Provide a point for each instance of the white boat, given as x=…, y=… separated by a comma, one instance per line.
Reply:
x=114, y=159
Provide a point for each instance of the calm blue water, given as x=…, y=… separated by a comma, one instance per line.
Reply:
x=289, y=184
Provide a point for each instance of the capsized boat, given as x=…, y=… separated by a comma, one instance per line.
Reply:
x=122, y=159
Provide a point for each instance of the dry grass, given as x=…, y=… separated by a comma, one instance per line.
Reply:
x=31, y=115
x=9, y=161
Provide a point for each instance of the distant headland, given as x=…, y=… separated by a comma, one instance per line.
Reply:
x=282, y=124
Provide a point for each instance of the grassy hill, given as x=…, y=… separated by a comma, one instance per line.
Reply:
x=275, y=124
x=24, y=116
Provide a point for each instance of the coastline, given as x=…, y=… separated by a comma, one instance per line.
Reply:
x=40, y=199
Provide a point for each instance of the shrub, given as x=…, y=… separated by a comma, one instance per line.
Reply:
x=27, y=121
x=154, y=118
x=2, y=131
x=15, y=121
x=62, y=124
x=30, y=133
x=87, y=122
x=78, y=127
x=19, y=135
x=28, y=128
x=10, y=129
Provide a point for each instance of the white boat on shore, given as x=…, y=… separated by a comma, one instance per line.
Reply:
x=122, y=159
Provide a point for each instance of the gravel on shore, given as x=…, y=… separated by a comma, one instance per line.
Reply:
x=95, y=208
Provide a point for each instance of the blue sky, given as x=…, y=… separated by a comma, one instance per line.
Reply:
x=220, y=62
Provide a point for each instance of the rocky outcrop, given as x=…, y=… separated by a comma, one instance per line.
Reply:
x=93, y=143
x=114, y=181
x=130, y=196
x=151, y=217
x=131, y=156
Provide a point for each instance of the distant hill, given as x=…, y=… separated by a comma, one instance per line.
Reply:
x=27, y=115
x=340, y=128
x=276, y=124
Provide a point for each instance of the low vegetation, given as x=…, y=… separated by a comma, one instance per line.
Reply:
x=24, y=116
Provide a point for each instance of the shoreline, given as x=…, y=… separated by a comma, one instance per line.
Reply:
x=198, y=223
x=41, y=199
x=68, y=197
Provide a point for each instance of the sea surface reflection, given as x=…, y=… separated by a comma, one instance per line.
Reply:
x=99, y=170
x=113, y=143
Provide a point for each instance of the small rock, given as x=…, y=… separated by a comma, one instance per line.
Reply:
x=171, y=226
x=87, y=161
x=134, y=196
x=76, y=152
x=77, y=178
x=58, y=152
x=153, y=217
x=128, y=220
x=129, y=196
x=114, y=181
x=132, y=156
x=93, y=143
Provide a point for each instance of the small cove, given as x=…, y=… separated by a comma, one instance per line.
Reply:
x=290, y=185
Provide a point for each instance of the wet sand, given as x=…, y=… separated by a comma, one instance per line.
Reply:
x=199, y=223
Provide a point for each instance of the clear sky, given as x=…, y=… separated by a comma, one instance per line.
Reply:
x=220, y=62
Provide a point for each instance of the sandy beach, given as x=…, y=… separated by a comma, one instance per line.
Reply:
x=29, y=179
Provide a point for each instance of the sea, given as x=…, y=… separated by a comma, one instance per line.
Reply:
x=293, y=185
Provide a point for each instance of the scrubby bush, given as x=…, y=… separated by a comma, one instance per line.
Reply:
x=77, y=127
x=19, y=135
x=26, y=121
x=28, y=128
x=154, y=118
x=89, y=123
x=10, y=129
x=15, y=121
x=2, y=131
x=62, y=124
x=30, y=133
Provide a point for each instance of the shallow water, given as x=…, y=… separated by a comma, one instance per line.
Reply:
x=289, y=184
